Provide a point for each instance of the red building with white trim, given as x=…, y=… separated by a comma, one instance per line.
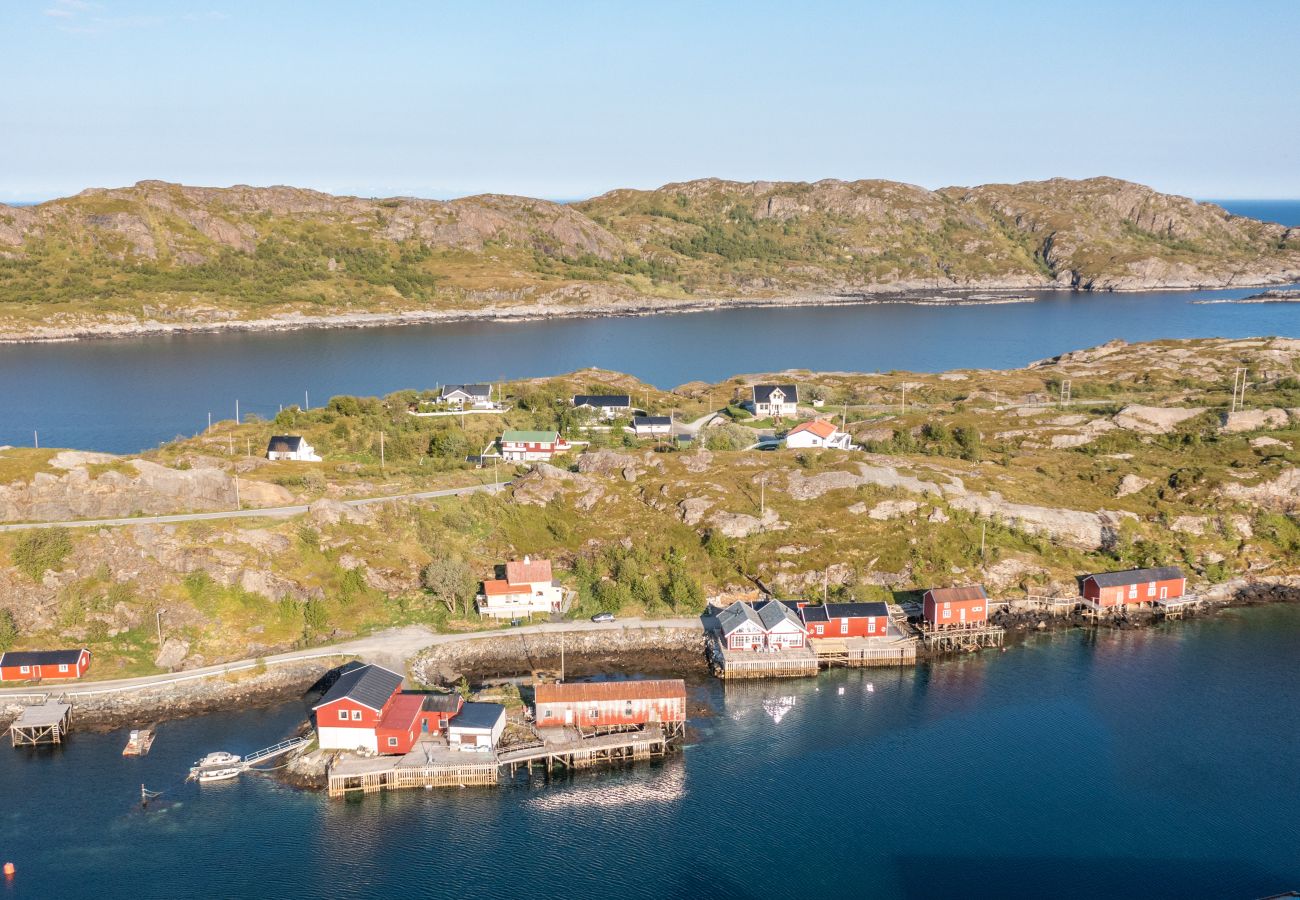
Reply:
x=43, y=665
x=845, y=620
x=603, y=704
x=956, y=607
x=1133, y=587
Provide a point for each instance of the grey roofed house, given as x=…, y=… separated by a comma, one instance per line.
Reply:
x=441, y=703
x=474, y=391
x=652, y=421
x=369, y=685
x=732, y=617
x=603, y=401
x=41, y=657
x=478, y=715
x=284, y=443
x=1134, y=576
x=843, y=611
x=763, y=392
x=773, y=612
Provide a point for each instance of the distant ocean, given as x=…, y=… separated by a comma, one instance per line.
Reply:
x=1284, y=212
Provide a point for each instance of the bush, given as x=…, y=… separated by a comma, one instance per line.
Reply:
x=8, y=629
x=41, y=550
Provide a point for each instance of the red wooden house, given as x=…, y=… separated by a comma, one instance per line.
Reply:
x=348, y=716
x=1107, y=590
x=956, y=607
x=43, y=665
x=844, y=620
x=607, y=703
x=438, y=710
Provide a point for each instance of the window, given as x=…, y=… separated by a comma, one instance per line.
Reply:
x=549, y=714
x=392, y=742
x=356, y=715
x=1151, y=589
x=63, y=667
x=343, y=715
x=627, y=711
x=947, y=613
x=871, y=625
x=821, y=629
x=1132, y=591
x=24, y=669
x=844, y=626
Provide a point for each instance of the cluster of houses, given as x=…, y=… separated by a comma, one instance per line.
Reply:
x=775, y=625
x=367, y=711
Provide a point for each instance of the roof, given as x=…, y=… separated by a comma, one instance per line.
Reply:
x=531, y=437
x=284, y=443
x=763, y=392
x=819, y=427
x=403, y=712
x=843, y=611
x=369, y=685
x=478, y=715
x=1135, y=576
x=595, y=691
x=41, y=657
x=647, y=421
x=958, y=594
x=499, y=587
x=773, y=612
x=441, y=703
x=528, y=570
x=735, y=615
x=602, y=400
x=473, y=390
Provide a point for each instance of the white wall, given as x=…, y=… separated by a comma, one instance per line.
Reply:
x=332, y=738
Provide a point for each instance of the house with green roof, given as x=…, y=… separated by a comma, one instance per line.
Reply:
x=532, y=446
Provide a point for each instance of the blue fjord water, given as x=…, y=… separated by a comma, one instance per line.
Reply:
x=1156, y=763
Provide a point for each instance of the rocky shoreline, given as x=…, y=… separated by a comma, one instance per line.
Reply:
x=1291, y=295
x=932, y=295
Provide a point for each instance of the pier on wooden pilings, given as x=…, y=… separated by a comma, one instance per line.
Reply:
x=955, y=638
x=47, y=723
x=796, y=662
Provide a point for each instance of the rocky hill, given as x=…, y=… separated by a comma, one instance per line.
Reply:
x=190, y=256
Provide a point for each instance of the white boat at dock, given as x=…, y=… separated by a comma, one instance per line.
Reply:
x=219, y=766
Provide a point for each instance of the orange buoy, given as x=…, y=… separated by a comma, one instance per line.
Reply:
x=9, y=870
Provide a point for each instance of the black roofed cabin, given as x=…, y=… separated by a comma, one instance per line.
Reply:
x=43, y=665
x=1132, y=587
x=291, y=446
x=609, y=406
x=775, y=401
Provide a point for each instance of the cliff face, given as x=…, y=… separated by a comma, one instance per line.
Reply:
x=166, y=252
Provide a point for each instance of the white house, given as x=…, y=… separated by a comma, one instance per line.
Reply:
x=769, y=625
x=776, y=401
x=652, y=426
x=468, y=396
x=528, y=588
x=291, y=446
x=531, y=446
x=477, y=727
x=817, y=434
x=607, y=406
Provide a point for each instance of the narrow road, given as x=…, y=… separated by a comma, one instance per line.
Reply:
x=392, y=647
x=267, y=512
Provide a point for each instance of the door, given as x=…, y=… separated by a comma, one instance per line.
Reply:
x=568, y=717
x=1164, y=592
x=36, y=673
x=962, y=615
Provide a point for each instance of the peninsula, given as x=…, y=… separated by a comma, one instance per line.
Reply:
x=165, y=258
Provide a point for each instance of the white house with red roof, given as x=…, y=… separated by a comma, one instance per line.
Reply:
x=529, y=587
x=817, y=434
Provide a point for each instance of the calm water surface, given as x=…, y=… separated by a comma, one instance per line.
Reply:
x=1152, y=764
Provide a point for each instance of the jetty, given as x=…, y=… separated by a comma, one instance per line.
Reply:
x=432, y=763
x=953, y=638
x=47, y=723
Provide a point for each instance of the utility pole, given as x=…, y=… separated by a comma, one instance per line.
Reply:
x=1238, y=388
x=158, y=623
x=1065, y=391
x=238, y=504
x=381, y=450
x=36, y=438
x=237, y=419
x=982, y=526
x=209, y=420
x=306, y=401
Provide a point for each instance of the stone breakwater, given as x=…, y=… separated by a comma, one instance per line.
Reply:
x=657, y=650
x=175, y=700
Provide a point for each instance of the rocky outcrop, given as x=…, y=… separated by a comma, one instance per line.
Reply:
x=1154, y=419
x=1282, y=492
x=1131, y=484
x=1073, y=528
x=1254, y=420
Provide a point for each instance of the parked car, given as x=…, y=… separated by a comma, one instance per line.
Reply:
x=603, y=617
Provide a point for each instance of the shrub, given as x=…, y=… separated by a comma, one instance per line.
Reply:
x=8, y=629
x=41, y=550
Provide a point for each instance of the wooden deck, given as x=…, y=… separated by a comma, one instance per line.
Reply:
x=44, y=724
x=730, y=664
x=894, y=648
x=962, y=637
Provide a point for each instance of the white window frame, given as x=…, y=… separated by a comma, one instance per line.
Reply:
x=356, y=715
x=871, y=626
x=343, y=715
x=25, y=670
x=63, y=667
x=844, y=626
x=392, y=742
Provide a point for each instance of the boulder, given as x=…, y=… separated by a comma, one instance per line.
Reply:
x=892, y=509
x=173, y=653
x=1131, y=484
x=1154, y=419
x=1254, y=420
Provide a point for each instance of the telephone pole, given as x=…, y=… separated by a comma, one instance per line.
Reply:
x=238, y=503
x=381, y=450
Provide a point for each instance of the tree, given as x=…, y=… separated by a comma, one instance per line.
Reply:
x=8, y=629
x=449, y=443
x=448, y=580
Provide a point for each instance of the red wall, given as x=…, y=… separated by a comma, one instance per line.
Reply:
x=48, y=673
x=977, y=611
x=1107, y=596
x=613, y=712
x=329, y=715
x=859, y=626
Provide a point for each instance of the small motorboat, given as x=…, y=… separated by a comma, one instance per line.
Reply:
x=139, y=742
x=219, y=766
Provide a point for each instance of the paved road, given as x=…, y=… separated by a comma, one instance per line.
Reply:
x=268, y=512
x=393, y=647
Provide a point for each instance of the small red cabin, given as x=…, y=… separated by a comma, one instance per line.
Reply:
x=349, y=715
x=1107, y=590
x=400, y=726
x=845, y=620
x=606, y=703
x=956, y=607
x=43, y=665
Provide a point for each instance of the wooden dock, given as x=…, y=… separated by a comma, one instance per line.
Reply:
x=433, y=764
x=1177, y=607
x=962, y=637
x=730, y=664
x=44, y=724
x=894, y=648
x=1045, y=603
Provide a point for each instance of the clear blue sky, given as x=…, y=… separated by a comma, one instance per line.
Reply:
x=564, y=99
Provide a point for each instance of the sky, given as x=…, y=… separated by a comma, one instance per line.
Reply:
x=569, y=99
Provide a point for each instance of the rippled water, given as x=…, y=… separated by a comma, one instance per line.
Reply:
x=1159, y=763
